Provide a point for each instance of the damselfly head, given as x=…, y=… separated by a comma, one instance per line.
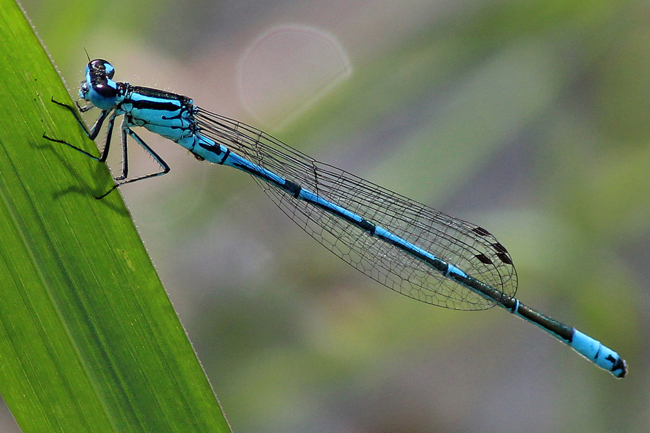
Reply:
x=98, y=87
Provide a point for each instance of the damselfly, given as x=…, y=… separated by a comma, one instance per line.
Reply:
x=404, y=245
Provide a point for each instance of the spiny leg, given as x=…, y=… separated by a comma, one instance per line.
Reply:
x=165, y=168
x=92, y=134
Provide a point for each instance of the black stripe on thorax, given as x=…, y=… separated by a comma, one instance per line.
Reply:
x=175, y=101
x=152, y=105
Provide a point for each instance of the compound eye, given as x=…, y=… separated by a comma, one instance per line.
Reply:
x=110, y=70
x=102, y=67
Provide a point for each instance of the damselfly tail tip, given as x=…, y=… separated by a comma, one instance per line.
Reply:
x=620, y=368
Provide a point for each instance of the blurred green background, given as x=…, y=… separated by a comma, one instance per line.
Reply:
x=529, y=118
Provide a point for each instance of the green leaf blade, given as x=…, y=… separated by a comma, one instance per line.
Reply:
x=88, y=338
